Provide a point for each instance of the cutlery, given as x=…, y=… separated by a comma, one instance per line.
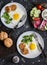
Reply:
x=15, y=27
x=40, y=46
x=23, y=17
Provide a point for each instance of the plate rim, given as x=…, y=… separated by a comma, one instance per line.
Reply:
x=13, y=3
x=21, y=35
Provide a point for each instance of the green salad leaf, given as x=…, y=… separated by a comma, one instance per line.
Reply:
x=7, y=17
x=28, y=38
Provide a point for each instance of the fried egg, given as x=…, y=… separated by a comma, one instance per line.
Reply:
x=16, y=15
x=33, y=46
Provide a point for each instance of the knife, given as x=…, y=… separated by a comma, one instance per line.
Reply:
x=42, y=50
x=40, y=46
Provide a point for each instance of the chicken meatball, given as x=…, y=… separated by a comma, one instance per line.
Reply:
x=8, y=8
x=22, y=46
x=8, y=42
x=25, y=51
x=3, y=35
x=13, y=7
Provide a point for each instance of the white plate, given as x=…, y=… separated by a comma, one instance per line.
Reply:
x=34, y=53
x=43, y=15
x=12, y=25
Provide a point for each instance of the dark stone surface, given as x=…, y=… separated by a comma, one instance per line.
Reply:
x=7, y=54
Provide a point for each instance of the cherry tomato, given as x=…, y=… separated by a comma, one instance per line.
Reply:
x=39, y=7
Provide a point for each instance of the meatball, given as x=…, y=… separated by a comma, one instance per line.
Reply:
x=22, y=46
x=25, y=51
x=8, y=8
x=13, y=7
x=8, y=42
x=3, y=35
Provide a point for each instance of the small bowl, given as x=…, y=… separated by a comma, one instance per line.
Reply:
x=15, y=59
x=44, y=14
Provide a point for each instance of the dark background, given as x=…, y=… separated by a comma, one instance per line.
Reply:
x=7, y=54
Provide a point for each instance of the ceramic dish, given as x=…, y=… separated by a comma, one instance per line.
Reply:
x=38, y=16
x=19, y=11
x=31, y=52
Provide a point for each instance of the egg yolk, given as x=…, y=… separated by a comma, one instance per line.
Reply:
x=33, y=46
x=16, y=16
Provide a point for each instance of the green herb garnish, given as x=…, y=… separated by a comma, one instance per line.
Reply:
x=28, y=38
x=7, y=17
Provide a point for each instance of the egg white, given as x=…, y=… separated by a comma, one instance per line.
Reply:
x=20, y=12
x=35, y=42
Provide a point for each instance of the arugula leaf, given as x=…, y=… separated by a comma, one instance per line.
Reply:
x=28, y=38
x=7, y=17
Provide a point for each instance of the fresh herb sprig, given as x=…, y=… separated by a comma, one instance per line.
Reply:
x=28, y=38
x=7, y=17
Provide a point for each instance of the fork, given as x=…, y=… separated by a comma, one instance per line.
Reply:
x=15, y=27
x=40, y=45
